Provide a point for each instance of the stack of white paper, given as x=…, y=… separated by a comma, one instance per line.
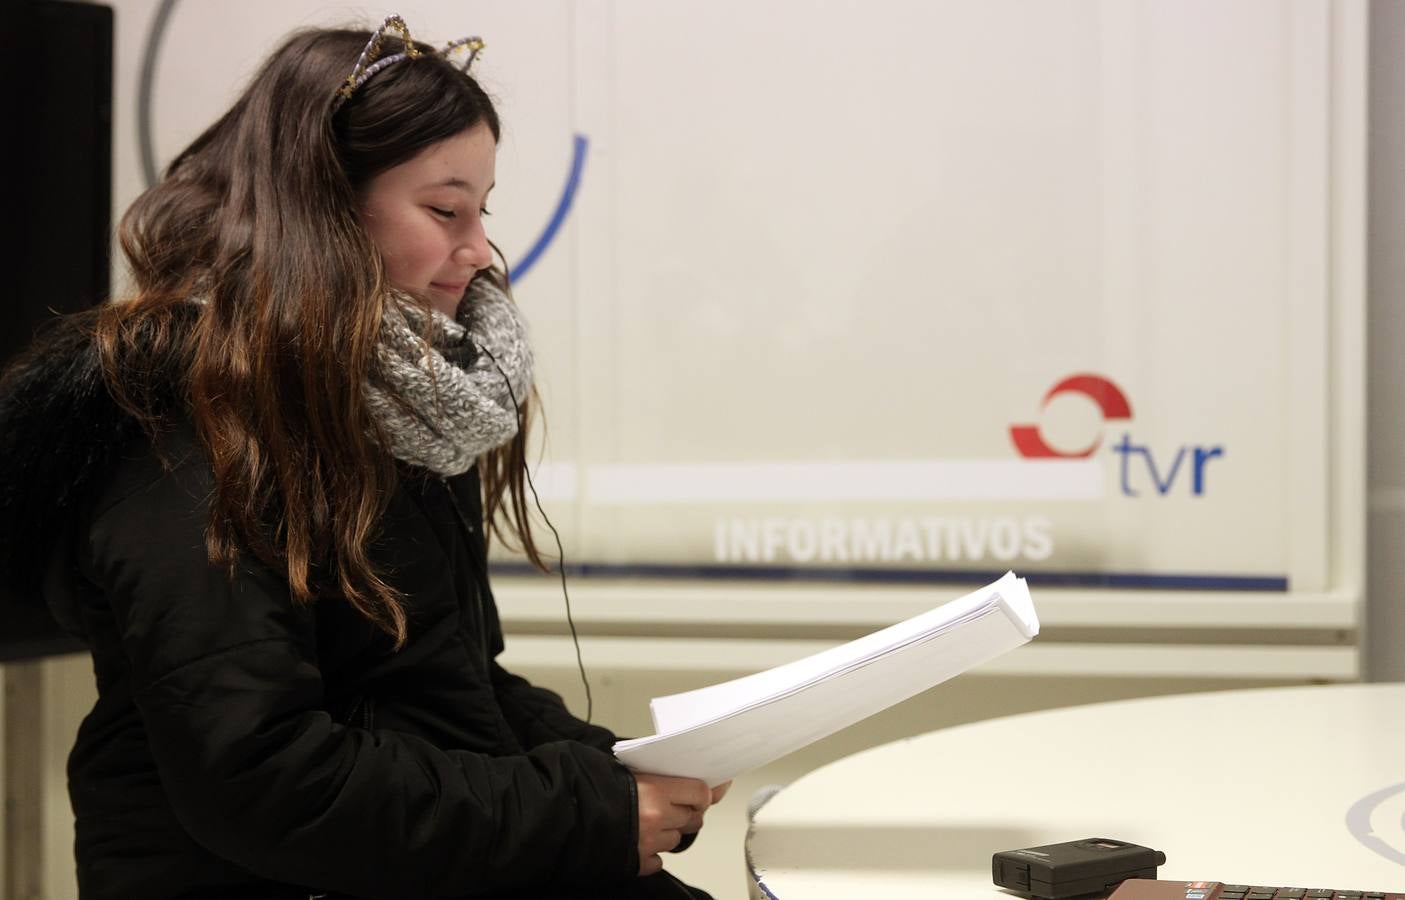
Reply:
x=718, y=732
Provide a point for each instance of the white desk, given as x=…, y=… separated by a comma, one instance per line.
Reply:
x=1296, y=786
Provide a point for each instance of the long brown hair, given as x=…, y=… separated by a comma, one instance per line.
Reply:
x=258, y=218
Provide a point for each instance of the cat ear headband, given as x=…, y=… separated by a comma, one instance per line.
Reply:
x=370, y=62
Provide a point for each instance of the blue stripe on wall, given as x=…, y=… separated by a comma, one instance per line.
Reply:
x=1124, y=580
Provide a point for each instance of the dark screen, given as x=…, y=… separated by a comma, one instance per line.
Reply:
x=57, y=183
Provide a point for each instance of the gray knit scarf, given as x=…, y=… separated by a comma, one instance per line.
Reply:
x=456, y=387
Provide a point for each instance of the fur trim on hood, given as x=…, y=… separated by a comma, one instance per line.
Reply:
x=60, y=432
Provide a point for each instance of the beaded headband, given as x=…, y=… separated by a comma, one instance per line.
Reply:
x=370, y=61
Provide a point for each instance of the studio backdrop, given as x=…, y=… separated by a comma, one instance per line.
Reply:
x=894, y=292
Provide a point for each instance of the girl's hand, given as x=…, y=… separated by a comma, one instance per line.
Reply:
x=668, y=807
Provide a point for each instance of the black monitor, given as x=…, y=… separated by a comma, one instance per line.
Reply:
x=56, y=168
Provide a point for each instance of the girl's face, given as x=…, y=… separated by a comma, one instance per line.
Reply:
x=425, y=216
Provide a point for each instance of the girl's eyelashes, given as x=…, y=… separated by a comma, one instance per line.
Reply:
x=450, y=214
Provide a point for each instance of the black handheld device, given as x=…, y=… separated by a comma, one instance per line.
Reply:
x=1055, y=871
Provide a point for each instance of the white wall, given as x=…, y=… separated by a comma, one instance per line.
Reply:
x=876, y=234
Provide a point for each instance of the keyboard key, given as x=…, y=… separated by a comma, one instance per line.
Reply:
x=1290, y=893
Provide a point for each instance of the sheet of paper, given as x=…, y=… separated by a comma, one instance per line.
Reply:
x=770, y=717
x=678, y=711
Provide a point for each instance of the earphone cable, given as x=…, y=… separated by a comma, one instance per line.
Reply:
x=560, y=551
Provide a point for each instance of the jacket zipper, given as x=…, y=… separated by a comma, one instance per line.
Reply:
x=480, y=614
x=361, y=715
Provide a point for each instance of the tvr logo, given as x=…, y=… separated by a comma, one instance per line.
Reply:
x=1138, y=462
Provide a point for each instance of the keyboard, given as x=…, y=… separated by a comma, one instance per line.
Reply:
x=1141, y=889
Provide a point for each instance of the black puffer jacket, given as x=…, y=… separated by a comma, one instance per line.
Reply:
x=242, y=746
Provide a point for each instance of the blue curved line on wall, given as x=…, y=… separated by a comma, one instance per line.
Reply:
x=150, y=51
x=563, y=208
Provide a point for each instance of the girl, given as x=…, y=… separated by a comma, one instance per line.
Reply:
x=257, y=490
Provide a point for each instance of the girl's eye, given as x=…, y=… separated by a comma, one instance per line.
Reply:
x=484, y=212
x=445, y=213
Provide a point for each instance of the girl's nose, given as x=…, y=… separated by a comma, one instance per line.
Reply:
x=474, y=252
